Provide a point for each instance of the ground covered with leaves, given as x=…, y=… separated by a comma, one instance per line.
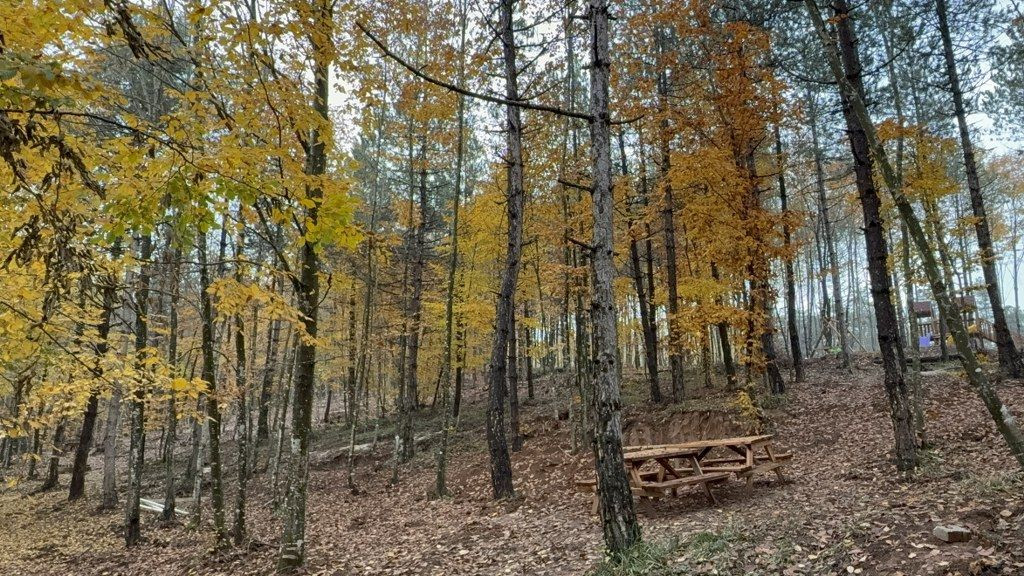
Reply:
x=843, y=509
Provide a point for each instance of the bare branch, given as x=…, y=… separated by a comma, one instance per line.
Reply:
x=460, y=90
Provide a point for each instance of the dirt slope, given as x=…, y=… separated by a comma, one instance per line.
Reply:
x=843, y=510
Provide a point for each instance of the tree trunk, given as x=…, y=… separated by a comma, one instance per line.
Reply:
x=830, y=244
x=307, y=290
x=209, y=376
x=513, y=382
x=528, y=351
x=1004, y=420
x=668, y=222
x=363, y=369
x=787, y=235
x=723, y=340
x=501, y=466
x=893, y=362
x=639, y=283
x=76, y=488
x=109, y=500
x=172, y=415
x=197, y=461
x=56, y=449
x=411, y=397
x=1009, y=358
x=269, y=370
x=242, y=417
x=618, y=517
x=137, y=449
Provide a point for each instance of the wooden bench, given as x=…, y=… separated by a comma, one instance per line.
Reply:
x=671, y=486
x=653, y=487
x=741, y=460
x=737, y=464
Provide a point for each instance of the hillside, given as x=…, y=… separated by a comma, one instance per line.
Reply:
x=843, y=509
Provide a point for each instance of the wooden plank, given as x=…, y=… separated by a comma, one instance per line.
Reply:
x=687, y=480
x=713, y=442
x=741, y=459
x=778, y=469
x=766, y=467
x=655, y=453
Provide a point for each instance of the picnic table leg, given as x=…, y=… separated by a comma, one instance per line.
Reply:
x=750, y=465
x=771, y=456
x=696, y=466
x=711, y=495
x=666, y=466
x=634, y=474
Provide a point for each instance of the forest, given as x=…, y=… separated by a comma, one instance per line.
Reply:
x=511, y=287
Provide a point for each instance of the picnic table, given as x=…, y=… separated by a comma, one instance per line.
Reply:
x=746, y=456
x=662, y=470
x=667, y=479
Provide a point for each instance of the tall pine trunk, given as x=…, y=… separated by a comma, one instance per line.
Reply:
x=640, y=285
x=618, y=518
x=838, y=312
x=513, y=383
x=501, y=465
x=1004, y=420
x=893, y=362
x=1009, y=358
x=787, y=240
x=669, y=224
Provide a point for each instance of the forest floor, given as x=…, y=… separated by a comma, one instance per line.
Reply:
x=843, y=509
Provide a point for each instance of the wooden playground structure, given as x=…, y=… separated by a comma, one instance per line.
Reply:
x=932, y=333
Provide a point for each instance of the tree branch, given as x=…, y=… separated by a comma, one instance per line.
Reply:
x=460, y=90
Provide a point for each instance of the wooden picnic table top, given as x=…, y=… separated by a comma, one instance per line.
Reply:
x=716, y=442
x=643, y=452
x=655, y=452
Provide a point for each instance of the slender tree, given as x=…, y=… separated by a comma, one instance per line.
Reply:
x=618, y=518
x=893, y=362
x=1009, y=358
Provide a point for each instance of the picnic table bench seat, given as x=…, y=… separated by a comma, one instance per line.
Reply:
x=739, y=466
x=671, y=486
x=741, y=459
